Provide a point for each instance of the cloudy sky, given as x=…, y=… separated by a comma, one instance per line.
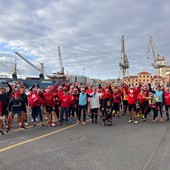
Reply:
x=88, y=32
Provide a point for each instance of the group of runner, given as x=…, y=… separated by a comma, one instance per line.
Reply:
x=64, y=104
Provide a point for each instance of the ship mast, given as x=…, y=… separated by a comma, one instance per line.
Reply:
x=124, y=64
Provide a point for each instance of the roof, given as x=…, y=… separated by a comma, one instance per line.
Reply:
x=133, y=76
x=144, y=72
x=160, y=59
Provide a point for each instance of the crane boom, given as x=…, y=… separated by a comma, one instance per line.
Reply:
x=151, y=46
x=5, y=66
x=61, y=62
x=123, y=50
x=41, y=69
x=124, y=64
x=60, y=58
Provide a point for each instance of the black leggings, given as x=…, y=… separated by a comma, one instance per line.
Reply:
x=71, y=111
x=155, y=112
x=166, y=108
x=84, y=112
x=159, y=104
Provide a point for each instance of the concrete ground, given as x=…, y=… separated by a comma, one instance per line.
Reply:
x=123, y=146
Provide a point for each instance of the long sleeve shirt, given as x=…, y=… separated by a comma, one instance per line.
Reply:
x=16, y=106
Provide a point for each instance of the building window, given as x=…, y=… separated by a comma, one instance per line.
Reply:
x=144, y=76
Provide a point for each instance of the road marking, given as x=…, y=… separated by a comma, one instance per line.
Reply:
x=36, y=138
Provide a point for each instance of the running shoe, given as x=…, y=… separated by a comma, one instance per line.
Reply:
x=84, y=123
x=162, y=120
x=34, y=124
x=1, y=132
x=78, y=122
x=143, y=119
x=130, y=121
x=26, y=124
x=7, y=130
x=154, y=121
x=138, y=116
x=136, y=122
x=53, y=124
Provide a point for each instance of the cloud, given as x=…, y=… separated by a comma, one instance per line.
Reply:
x=88, y=32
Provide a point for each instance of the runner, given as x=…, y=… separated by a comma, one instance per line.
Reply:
x=50, y=107
x=16, y=107
x=1, y=119
x=167, y=102
x=159, y=95
x=151, y=107
x=82, y=104
x=25, y=99
x=132, y=97
x=64, y=101
x=107, y=114
x=94, y=104
x=5, y=98
x=35, y=102
x=116, y=99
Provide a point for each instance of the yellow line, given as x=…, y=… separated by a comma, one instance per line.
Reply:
x=36, y=138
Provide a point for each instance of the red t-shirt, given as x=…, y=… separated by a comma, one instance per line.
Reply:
x=50, y=99
x=167, y=98
x=64, y=100
x=140, y=98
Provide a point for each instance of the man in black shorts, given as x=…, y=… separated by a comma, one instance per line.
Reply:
x=16, y=106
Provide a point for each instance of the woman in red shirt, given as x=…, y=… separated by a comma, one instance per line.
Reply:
x=64, y=101
x=167, y=102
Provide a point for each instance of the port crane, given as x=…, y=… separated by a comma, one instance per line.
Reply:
x=159, y=63
x=14, y=71
x=61, y=61
x=40, y=70
x=124, y=64
x=60, y=74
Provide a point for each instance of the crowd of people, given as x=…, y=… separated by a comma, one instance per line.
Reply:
x=64, y=104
